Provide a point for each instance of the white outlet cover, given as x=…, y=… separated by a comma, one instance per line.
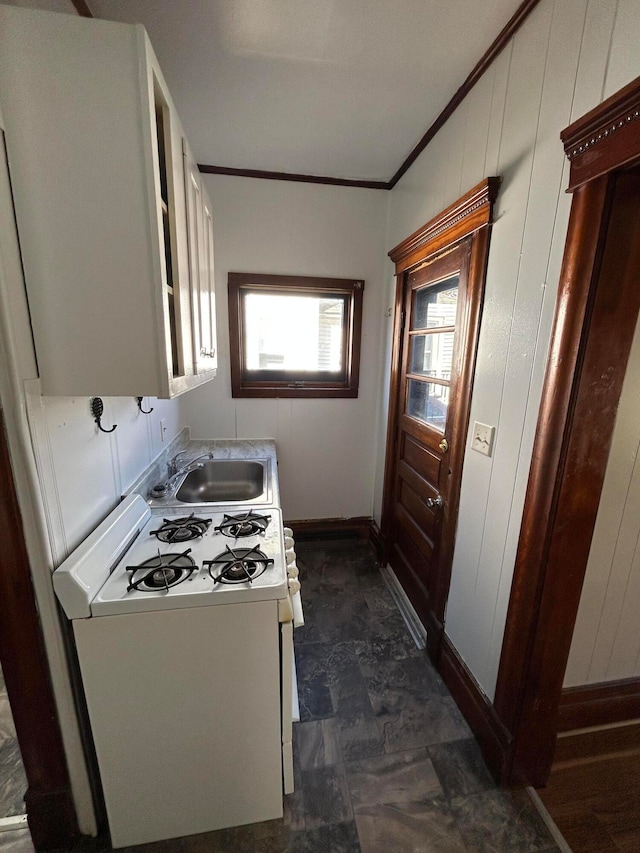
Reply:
x=482, y=438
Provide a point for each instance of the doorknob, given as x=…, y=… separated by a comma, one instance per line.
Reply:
x=444, y=445
x=431, y=503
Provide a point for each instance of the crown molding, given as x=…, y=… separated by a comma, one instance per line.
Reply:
x=291, y=176
x=83, y=9
x=470, y=212
x=498, y=45
x=606, y=138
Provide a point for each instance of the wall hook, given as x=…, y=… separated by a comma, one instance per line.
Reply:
x=144, y=412
x=97, y=409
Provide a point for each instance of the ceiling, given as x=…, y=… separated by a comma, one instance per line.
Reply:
x=343, y=88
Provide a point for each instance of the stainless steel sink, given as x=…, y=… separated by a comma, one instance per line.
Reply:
x=225, y=481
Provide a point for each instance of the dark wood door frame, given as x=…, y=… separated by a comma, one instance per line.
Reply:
x=49, y=804
x=469, y=218
x=590, y=344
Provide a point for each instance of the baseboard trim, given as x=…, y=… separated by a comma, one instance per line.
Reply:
x=598, y=742
x=599, y=704
x=331, y=528
x=377, y=542
x=412, y=620
x=52, y=819
x=493, y=737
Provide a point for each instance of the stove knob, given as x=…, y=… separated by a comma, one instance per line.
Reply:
x=294, y=586
x=292, y=571
x=288, y=532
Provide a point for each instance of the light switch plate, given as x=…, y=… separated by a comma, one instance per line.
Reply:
x=482, y=438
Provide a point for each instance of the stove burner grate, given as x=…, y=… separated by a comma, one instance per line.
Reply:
x=238, y=565
x=160, y=572
x=246, y=524
x=182, y=529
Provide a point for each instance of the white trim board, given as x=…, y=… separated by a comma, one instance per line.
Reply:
x=412, y=620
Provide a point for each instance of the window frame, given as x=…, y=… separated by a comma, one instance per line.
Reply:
x=281, y=383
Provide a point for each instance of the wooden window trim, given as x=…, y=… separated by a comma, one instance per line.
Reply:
x=275, y=383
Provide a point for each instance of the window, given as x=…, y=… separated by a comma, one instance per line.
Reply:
x=294, y=336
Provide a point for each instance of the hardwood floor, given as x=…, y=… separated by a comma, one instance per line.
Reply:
x=596, y=804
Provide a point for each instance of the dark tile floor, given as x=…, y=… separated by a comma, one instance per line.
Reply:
x=384, y=762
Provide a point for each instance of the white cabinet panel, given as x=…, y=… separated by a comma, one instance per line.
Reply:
x=95, y=155
x=201, y=270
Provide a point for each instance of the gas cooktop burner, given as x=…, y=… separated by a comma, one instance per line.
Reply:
x=182, y=529
x=161, y=572
x=245, y=524
x=238, y=565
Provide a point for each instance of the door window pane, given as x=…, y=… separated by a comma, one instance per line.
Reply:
x=436, y=305
x=428, y=402
x=432, y=355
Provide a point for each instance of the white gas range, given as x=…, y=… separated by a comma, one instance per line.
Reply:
x=183, y=626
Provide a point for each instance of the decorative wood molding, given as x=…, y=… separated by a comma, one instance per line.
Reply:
x=590, y=744
x=599, y=704
x=83, y=9
x=596, y=312
x=501, y=41
x=575, y=423
x=331, y=528
x=376, y=540
x=292, y=176
x=466, y=215
x=606, y=138
x=50, y=810
x=578, y=267
x=493, y=737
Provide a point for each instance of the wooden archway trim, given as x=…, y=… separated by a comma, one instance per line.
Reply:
x=604, y=139
x=469, y=213
x=563, y=491
x=49, y=804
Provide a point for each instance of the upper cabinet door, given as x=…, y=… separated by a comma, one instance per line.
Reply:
x=200, y=243
x=98, y=185
x=208, y=238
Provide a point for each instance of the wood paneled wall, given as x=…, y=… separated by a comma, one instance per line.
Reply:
x=567, y=57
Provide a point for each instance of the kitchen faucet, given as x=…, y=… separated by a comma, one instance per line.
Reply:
x=165, y=488
x=173, y=467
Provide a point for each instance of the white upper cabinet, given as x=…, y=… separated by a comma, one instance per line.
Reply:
x=95, y=151
x=200, y=242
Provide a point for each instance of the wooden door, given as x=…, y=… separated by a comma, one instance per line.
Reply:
x=434, y=307
x=440, y=271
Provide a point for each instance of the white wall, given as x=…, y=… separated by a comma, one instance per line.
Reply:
x=567, y=57
x=327, y=449
x=83, y=471
x=606, y=639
